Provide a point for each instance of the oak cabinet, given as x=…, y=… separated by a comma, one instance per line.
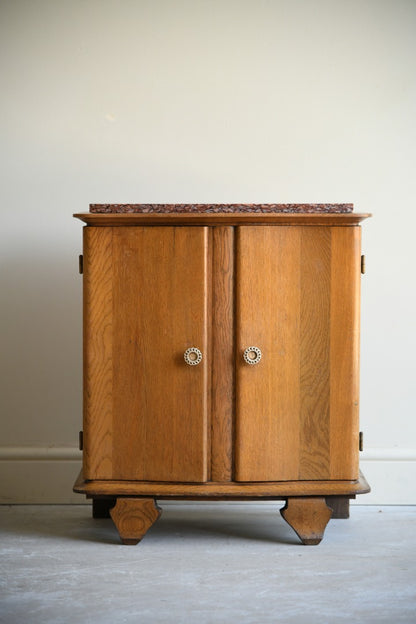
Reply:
x=221, y=359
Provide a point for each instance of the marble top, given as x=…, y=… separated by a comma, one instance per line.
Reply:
x=220, y=208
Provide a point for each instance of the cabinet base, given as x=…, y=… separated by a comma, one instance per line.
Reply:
x=309, y=504
x=220, y=491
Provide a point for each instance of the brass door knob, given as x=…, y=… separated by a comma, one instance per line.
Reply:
x=192, y=356
x=252, y=355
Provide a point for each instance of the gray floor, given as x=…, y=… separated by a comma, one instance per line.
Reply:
x=206, y=563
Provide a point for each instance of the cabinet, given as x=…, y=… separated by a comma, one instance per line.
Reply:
x=221, y=360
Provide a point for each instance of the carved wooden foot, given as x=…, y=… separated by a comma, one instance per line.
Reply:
x=308, y=517
x=133, y=517
x=101, y=507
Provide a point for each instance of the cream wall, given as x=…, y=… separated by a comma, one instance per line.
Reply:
x=198, y=101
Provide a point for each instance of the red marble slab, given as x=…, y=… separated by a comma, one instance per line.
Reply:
x=217, y=208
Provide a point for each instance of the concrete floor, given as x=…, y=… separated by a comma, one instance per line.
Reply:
x=206, y=563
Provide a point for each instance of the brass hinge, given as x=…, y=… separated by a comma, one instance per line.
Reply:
x=81, y=440
x=363, y=264
x=361, y=441
x=81, y=264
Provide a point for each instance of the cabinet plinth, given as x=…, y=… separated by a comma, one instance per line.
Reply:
x=221, y=360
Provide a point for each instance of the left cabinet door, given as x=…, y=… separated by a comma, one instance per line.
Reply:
x=145, y=303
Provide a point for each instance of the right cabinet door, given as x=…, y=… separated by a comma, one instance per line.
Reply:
x=297, y=300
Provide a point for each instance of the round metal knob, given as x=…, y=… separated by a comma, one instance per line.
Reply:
x=192, y=356
x=252, y=355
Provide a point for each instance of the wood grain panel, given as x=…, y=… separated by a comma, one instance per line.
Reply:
x=344, y=353
x=315, y=310
x=98, y=361
x=267, y=394
x=222, y=354
x=298, y=300
x=160, y=309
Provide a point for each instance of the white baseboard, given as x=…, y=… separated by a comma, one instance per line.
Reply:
x=391, y=473
x=45, y=475
x=39, y=474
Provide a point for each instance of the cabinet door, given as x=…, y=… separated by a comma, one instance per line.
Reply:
x=145, y=303
x=298, y=301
